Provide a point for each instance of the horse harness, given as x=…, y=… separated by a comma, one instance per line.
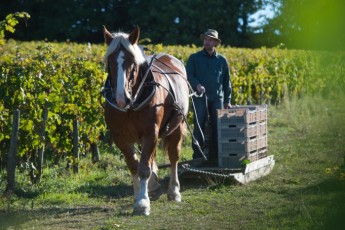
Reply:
x=146, y=90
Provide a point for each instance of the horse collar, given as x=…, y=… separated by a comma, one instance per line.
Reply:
x=145, y=92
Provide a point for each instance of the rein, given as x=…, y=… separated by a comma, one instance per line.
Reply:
x=143, y=80
x=179, y=109
x=195, y=94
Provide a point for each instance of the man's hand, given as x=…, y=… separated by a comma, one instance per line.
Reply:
x=227, y=106
x=200, y=89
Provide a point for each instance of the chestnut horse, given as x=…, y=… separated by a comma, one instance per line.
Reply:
x=147, y=99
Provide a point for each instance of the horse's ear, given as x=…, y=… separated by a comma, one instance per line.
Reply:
x=107, y=36
x=134, y=36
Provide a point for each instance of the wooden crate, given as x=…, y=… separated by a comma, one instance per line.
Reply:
x=236, y=160
x=242, y=115
x=242, y=135
x=238, y=130
x=235, y=145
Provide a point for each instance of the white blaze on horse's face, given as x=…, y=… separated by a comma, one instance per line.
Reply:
x=120, y=86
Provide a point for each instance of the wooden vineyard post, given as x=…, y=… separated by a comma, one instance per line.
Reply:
x=94, y=152
x=11, y=162
x=75, y=146
x=42, y=138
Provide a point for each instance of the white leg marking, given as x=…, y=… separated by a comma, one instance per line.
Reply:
x=174, y=185
x=142, y=203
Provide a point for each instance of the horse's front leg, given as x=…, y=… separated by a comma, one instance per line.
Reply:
x=142, y=203
x=132, y=162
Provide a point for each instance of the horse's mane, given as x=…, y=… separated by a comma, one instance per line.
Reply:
x=121, y=38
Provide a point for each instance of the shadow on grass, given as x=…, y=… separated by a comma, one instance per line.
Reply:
x=191, y=180
x=114, y=192
x=126, y=190
x=53, y=217
x=123, y=190
x=332, y=200
x=319, y=206
x=56, y=217
x=26, y=194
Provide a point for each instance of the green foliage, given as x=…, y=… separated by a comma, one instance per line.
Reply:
x=171, y=22
x=9, y=23
x=66, y=79
x=308, y=25
x=181, y=22
x=268, y=75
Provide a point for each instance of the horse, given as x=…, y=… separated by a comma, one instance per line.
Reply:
x=147, y=99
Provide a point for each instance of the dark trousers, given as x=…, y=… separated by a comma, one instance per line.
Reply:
x=206, y=111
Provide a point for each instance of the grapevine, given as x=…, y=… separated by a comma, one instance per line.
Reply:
x=66, y=79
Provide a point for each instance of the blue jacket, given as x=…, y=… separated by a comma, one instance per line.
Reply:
x=211, y=71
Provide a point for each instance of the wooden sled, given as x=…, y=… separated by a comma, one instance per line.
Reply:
x=250, y=172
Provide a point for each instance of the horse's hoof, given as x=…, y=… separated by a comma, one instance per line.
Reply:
x=154, y=195
x=174, y=197
x=142, y=207
x=141, y=211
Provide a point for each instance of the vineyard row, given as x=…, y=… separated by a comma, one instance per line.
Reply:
x=64, y=81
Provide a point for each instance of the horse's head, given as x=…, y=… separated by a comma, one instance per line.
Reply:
x=123, y=59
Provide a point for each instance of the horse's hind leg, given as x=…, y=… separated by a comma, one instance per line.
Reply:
x=154, y=188
x=132, y=162
x=172, y=145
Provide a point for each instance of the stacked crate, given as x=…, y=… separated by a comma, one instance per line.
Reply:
x=242, y=135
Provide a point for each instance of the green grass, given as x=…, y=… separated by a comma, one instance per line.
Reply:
x=306, y=189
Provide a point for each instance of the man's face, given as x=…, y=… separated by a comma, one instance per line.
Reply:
x=209, y=43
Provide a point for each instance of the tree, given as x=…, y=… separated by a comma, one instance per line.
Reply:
x=78, y=20
x=162, y=21
x=309, y=24
x=182, y=21
x=9, y=23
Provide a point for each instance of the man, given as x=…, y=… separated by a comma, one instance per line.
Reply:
x=208, y=74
